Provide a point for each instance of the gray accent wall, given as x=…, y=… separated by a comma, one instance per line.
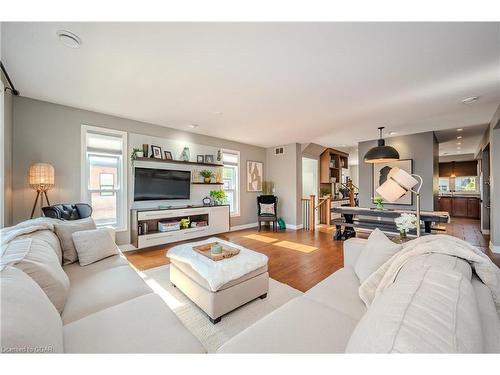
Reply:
x=7, y=158
x=285, y=171
x=419, y=147
x=51, y=133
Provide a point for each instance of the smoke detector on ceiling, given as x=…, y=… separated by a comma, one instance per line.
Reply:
x=69, y=39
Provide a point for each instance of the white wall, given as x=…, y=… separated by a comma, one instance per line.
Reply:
x=495, y=182
x=309, y=177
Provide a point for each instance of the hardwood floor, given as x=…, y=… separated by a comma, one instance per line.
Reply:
x=300, y=258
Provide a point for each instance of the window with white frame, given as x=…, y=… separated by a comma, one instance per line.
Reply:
x=104, y=183
x=231, y=178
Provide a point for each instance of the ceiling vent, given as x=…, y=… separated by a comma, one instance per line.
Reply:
x=279, y=150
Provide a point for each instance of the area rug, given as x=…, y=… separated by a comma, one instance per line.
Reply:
x=212, y=336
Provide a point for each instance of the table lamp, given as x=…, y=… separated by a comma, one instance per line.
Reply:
x=41, y=178
x=398, y=183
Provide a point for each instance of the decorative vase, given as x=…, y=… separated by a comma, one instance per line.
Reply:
x=219, y=156
x=207, y=180
x=402, y=234
x=185, y=154
x=218, y=177
x=216, y=249
x=139, y=154
x=145, y=149
x=380, y=206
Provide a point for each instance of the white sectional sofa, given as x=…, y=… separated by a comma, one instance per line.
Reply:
x=409, y=317
x=109, y=309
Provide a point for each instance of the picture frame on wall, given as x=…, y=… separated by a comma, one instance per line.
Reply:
x=209, y=159
x=156, y=152
x=168, y=155
x=380, y=172
x=255, y=175
x=200, y=158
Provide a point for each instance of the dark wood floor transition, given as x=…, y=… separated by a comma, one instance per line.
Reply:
x=300, y=258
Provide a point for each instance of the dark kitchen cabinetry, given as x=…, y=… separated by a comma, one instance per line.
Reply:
x=460, y=206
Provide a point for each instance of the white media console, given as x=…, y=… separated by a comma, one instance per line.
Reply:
x=216, y=217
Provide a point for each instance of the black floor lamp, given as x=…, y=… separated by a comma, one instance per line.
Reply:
x=41, y=178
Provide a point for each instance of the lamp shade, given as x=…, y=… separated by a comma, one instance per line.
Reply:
x=381, y=153
x=41, y=176
x=397, y=184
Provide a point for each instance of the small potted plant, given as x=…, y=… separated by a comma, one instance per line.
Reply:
x=136, y=153
x=379, y=201
x=218, y=196
x=405, y=223
x=207, y=175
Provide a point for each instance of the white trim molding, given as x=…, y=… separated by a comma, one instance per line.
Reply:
x=243, y=226
x=495, y=248
x=294, y=227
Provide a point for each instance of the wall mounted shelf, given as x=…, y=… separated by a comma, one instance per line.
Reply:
x=179, y=162
x=207, y=183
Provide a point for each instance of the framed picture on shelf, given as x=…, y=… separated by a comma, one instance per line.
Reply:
x=200, y=158
x=168, y=155
x=380, y=173
x=209, y=159
x=156, y=152
x=254, y=176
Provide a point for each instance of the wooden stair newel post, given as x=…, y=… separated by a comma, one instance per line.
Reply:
x=351, y=193
x=312, y=211
x=328, y=209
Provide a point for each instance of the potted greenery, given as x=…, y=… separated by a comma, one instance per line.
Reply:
x=218, y=196
x=207, y=175
x=136, y=153
x=379, y=201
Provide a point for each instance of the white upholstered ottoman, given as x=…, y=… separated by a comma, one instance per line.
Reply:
x=218, y=287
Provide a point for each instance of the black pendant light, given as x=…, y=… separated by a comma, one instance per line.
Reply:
x=381, y=153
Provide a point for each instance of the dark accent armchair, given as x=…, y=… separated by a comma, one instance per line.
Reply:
x=68, y=211
x=263, y=217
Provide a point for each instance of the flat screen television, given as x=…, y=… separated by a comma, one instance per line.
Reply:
x=159, y=184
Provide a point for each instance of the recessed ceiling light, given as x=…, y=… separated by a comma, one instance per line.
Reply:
x=69, y=39
x=344, y=145
x=459, y=143
x=459, y=129
x=459, y=137
x=392, y=133
x=192, y=126
x=218, y=113
x=470, y=99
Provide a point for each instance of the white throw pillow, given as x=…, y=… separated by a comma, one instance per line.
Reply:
x=378, y=250
x=30, y=323
x=267, y=209
x=38, y=260
x=64, y=230
x=94, y=245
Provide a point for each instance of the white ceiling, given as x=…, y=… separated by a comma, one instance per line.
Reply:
x=266, y=83
x=449, y=144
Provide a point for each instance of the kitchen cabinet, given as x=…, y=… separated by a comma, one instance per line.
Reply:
x=461, y=206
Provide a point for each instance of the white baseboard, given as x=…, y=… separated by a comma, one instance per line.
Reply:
x=243, y=226
x=495, y=248
x=294, y=227
x=127, y=247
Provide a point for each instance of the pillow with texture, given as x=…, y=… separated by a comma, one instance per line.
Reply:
x=378, y=250
x=29, y=321
x=64, y=230
x=267, y=209
x=94, y=245
x=38, y=260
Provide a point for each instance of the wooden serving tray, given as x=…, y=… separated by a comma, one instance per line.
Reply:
x=227, y=251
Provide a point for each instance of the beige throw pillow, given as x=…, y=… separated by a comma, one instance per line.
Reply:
x=38, y=260
x=378, y=250
x=267, y=209
x=65, y=230
x=94, y=245
x=30, y=323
